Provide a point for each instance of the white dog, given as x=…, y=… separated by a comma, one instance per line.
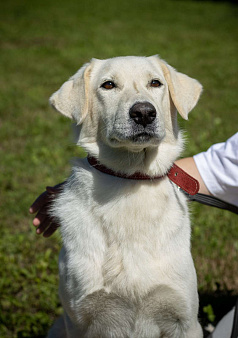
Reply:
x=125, y=267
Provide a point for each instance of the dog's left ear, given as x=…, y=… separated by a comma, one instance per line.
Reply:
x=72, y=99
x=184, y=90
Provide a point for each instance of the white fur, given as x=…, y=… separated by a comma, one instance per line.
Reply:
x=123, y=236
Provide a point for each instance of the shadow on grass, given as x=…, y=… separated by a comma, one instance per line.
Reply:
x=221, y=302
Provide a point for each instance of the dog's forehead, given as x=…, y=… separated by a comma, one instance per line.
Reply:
x=128, y=65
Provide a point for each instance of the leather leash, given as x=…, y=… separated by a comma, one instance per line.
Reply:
x=213, y=202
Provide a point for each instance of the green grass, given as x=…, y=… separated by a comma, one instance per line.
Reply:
x=45, y=42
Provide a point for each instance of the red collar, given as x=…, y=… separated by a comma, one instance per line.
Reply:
x=175, y=174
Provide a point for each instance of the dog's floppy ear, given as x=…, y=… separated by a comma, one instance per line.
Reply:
x=184, y=90
x=72, y=99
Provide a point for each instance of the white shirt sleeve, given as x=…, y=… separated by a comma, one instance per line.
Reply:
x=218, y=167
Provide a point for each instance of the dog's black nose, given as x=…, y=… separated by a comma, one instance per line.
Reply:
x=143, y=113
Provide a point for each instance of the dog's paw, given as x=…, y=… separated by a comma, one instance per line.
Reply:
x=163, y=314
x=105, y=315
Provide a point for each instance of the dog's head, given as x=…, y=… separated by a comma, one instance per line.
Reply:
x=127, y=102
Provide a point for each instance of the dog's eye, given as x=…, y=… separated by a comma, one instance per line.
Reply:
x=155, y=83
x=108, y=85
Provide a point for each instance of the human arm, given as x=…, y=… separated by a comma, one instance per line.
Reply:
x=216, y=170
x=188, y=165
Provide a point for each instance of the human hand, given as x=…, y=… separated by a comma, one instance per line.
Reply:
x=44, y=222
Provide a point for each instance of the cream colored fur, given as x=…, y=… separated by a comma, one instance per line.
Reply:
x=125, y=267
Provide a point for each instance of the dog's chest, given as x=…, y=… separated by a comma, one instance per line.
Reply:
x=124, y=235
x=142, y=226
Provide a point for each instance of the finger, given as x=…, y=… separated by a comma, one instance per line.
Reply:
x=43, y=226
x=51, y=229
x=45, y=197
x=41, y=217
x=39, y=202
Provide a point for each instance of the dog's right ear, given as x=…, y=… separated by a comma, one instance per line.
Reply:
x=72, y=99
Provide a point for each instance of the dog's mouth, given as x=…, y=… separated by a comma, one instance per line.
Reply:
x=142, y=137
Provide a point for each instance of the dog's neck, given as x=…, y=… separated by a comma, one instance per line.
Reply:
x=136, y=176
x=151, y=161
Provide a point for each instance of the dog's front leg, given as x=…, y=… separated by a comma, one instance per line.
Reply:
x=163, y=313
x=101, y=314
x=58, y=329
x=106, y=315
x=90, y=310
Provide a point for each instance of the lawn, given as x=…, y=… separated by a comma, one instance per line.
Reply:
x=45, y=42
